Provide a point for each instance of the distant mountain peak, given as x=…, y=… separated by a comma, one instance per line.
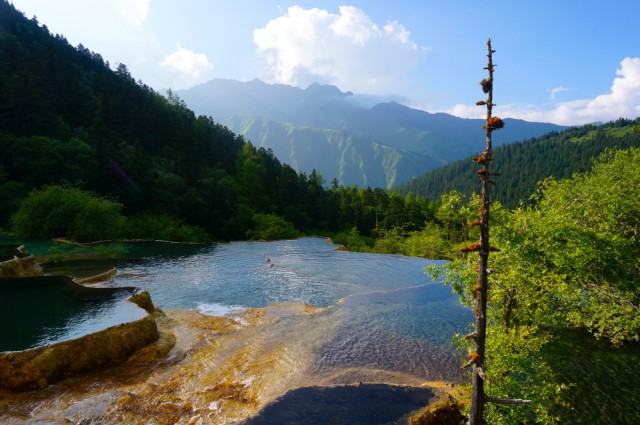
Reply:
x=327, y=90
x=321, y=127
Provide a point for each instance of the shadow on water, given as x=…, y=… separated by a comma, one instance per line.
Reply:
x=370, y=404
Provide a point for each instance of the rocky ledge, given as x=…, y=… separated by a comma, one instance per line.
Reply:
x=40, y=366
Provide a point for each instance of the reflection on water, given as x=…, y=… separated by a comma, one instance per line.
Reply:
x=384, y=312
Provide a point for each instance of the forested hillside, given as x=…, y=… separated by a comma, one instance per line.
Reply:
x=524, y=164
x=67, y=119
x=348, y=157
x=347, y=128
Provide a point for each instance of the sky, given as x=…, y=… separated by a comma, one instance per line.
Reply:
x=568, y=62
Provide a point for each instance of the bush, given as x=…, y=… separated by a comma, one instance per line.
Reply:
x=271, y=227
x=353, y=241
x=164, y=227
x=69, y=212
x=431, y=242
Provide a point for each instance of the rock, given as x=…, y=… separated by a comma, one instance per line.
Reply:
x=38, y=367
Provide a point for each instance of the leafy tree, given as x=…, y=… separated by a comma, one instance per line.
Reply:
x=353, y=240
x=271, y=227
x=390, y=241
x=64, y=211
x=430, y=242
x=163, y=227
x=571, y=261
x=585, y=232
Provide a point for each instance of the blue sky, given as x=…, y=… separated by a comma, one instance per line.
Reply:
x=561, y=61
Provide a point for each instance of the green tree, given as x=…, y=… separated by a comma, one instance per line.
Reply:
x=64, y=211
x=430, y=242
x=449, y=215
x=271, y=227
x=571, y=261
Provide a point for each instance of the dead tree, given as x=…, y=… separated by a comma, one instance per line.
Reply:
x=477, y=357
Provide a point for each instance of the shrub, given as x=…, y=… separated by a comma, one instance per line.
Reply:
x=69, y=212
x=271, y=227
x=164, y=227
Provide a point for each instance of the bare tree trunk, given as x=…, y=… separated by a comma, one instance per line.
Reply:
x=478, y=397
x=477, y=358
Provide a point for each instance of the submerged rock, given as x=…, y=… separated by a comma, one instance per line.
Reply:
x=344, y=405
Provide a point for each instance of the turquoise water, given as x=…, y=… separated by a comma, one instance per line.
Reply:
x=389, y=315
x=36, y=311
x=109, y=249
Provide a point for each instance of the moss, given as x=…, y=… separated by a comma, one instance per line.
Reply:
x=443, y=412
x=143, y=300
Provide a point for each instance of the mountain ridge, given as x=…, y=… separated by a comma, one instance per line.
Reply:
x=428, y=140
x=524, y=164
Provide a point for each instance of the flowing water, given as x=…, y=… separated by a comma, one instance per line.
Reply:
x=385, y=313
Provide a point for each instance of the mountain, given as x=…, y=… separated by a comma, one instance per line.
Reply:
x=343, y=135
x=524, y=164
x=74, y=131
x=68, y=119
x=345, y=156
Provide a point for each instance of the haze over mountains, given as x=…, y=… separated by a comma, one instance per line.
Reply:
x=346, y=136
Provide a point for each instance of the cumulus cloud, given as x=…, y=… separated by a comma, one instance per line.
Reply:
x=346, y=49
x=622, y=101
x=187, y=68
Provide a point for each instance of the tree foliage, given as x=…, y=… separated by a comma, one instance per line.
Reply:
x=58, y=211
x=268, y=227
x=572, y=260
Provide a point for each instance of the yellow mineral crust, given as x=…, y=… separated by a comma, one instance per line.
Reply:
x=202, y=370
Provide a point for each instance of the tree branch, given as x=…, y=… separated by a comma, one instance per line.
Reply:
x=472, y=335
x=617, y=298
x=481, y=374
x=507, y=400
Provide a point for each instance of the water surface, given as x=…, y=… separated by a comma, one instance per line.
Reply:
x=386, y=313
x=37, y=311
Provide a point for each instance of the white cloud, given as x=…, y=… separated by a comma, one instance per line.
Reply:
x=556, y=90
x=116, y=30
x=622, y=101
x=187, y=68
x=345, y=49
x=133, y=11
